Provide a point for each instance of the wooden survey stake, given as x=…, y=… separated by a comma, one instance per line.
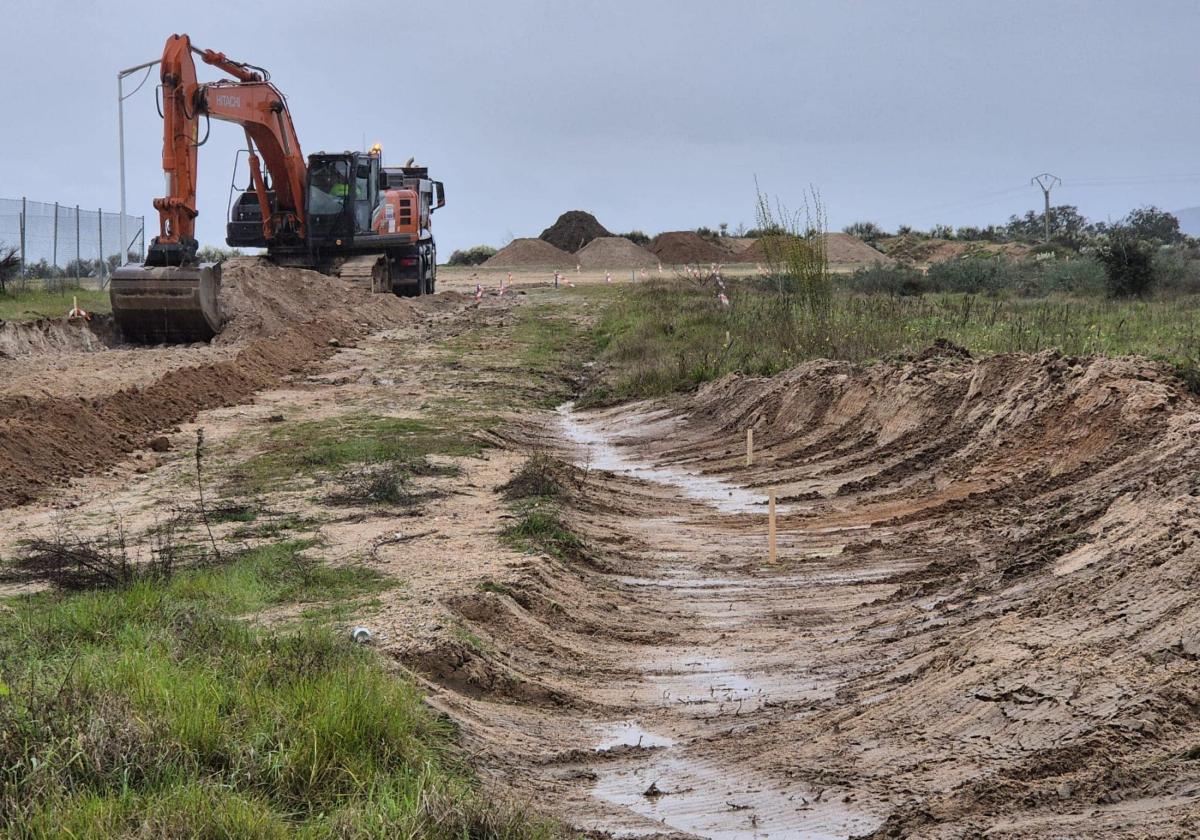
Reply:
x=749, y=447
x=771, y=527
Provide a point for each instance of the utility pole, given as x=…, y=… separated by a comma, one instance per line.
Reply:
x=1047, y=182
x=121, y=97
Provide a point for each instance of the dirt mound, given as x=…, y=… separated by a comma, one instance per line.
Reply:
x=841, y=249
x=26, y=338
x=606, y=252
x=260, y=299
x=521, y=253
x=74, y=413
x=573, y=230
x=684, y=247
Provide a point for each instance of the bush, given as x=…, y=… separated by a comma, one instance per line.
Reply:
x=1128, y=266
x=1177, y=270
x=899, y=280
x=472, y=256
x=212, y=253
x=636, y=237
x=1075, y=276
x=868, y=232
x=973, y=275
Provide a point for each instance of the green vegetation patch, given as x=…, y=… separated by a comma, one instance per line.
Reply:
x=32, y=304
x=151, y=710
x=313, y=446
x=671, y=335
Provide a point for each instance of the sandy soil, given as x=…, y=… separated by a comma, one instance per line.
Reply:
x=982, y=621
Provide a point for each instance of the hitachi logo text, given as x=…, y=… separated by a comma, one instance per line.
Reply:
x=226, y=101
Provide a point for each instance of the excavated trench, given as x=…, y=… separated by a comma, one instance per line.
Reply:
x=981, y=620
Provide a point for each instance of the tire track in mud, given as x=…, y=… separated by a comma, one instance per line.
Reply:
x=981, y=620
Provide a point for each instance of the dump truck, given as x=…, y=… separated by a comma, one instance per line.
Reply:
x=342, y=213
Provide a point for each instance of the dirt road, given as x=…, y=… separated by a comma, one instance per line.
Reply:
x=982, y=621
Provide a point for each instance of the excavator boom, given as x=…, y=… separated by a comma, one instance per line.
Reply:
x=174, y=298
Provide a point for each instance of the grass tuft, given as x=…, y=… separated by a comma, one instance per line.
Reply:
x=151, y=710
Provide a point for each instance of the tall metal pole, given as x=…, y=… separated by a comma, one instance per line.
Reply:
x=121, y=137
x=23, y=223
x=55, y=252
x=121, y=146
x=1047, y=182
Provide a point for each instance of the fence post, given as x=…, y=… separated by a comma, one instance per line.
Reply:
x=55, y=251
x=77, y=252
x=22, y=236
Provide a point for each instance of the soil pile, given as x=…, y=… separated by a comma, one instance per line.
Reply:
x=521, y=253
x=573, y=230
x=68, y=413
x=684, y=247
x=59, y=335
x=840, y=249
x=260, y=299
x=607, y=252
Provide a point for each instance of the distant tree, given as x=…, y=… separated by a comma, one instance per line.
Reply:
x=10, y=263
x=472, y=256
x=707, y=232
x=1067, y=226
x=724, y=228
x=214, y=253
x=1152, y=224
x=868, y=232
x=1128, y=264
x=636, y=237
x=941, y=232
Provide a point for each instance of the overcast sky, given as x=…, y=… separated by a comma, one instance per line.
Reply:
x=652, y=115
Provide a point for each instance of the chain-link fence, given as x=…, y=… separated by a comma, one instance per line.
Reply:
x=57, y=242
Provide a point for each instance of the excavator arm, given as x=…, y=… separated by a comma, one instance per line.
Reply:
x=249, y=100
x=173, y=298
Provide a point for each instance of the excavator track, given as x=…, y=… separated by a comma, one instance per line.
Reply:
x=370, y=270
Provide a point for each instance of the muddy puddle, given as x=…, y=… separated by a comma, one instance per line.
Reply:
x=601, y=453
x=677, y=793
x=673, y=780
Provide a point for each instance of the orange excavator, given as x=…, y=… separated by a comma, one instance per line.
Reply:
x=343, y=214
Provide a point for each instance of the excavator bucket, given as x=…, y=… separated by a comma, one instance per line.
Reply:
x=167, y=304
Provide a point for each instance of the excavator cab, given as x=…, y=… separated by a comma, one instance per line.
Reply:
x=342, y=192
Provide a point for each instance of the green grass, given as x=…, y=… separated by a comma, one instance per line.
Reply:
x=155, y=711
x=308, y=447
x=540, y=528
x=667, y=336
x=534, y=360
x=31, y=304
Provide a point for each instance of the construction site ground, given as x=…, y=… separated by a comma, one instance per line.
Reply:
x=982, y=620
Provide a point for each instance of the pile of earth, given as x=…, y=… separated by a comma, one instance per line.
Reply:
x=573, y=230
x=260, y=299
x=607, y=252
x=840, y=249
x=70, y=412
x=684, y=247
x=530, y=253
x=46, y=335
